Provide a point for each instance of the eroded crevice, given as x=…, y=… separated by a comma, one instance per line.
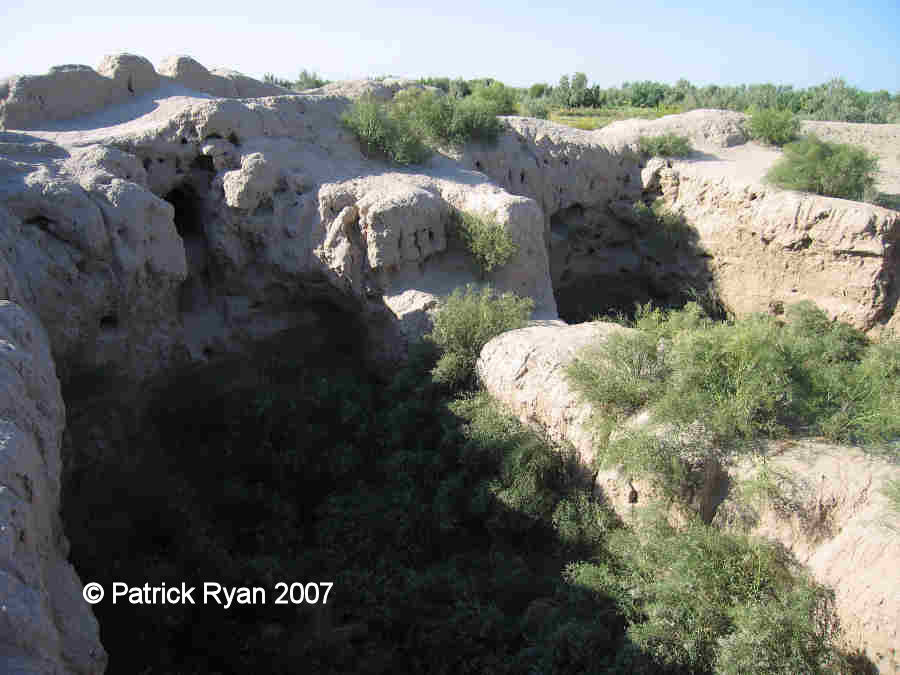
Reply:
x=605, y=261
x=889, y=280
x=194, y=291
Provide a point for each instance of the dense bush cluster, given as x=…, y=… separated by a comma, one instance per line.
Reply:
x=468, y=319
x=832, y=169
x=403, y=129
x=382, y=134
x=487, y=240
x=773, y=126
x=739, y=381
x=666, y=145
x=445, y=120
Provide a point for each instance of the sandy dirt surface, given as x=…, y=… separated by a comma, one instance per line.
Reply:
x=750, y=161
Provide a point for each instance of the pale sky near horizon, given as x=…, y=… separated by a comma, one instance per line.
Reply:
x=795, y=42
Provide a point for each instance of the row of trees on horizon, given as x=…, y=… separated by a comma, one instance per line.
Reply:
x=834, y=100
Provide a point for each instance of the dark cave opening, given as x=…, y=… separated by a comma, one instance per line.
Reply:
x=188, y=210
x=189, y=223
x=603, y=263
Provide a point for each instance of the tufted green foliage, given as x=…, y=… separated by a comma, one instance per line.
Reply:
x=665, y=145
x=446, y=120
x=465, y=322
x=694, y=598
x=721, y=386
x=773, y=126
x=486, y=239
x=830, y=169
x=383, y=134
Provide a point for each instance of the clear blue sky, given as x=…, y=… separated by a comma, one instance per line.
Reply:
x=706, y=41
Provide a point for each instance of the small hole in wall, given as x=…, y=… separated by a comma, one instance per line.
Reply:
x=130, y=84
x=522, y=177
x=233, y=139
x=183, y=140
x=160, y=159
x=147, y=162
x=109, y=322
x=478, y=165
x=509, y=176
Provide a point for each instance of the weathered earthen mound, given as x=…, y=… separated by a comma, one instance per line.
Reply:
x=30, y=101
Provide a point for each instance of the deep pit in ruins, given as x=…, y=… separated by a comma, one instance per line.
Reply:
x=605, y=260
x=255, y=460
x=212, y=470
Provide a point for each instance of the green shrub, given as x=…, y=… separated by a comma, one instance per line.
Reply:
x=740, y=380
x=793, y=633
x=464, y=324
x=440, y=119
x=773, y=126
x=667, y=145
x=830, y=169
x=487, y=241
x=735, y=378
x=620, y=376
x=382, y=134
x=691, y=598
x=474, y=119
x=581, y=523
x=495, y=96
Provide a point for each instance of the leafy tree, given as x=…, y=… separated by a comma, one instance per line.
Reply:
x=538, y=90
